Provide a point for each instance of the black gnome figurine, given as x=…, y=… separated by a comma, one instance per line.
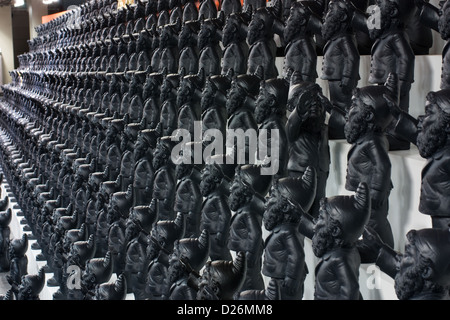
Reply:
x=368, y=160
x=334, y=235
x=392, y=53
x=270, y=114
x=5, y=233
x=19, y=260
x=422, y=272
x=188, y=258
x=260, y=38
x=210, y=55
x=240, y=104
x=430, y=132
x=284, y=257
x=168, y=108
x=137, y=232
x=437, y=19
x=97, y=271
x=246, y=200
x=216, y=213
x=187, y=43
x=308, y=135
x=164, y=184
x=163, y=236
x=143, y=170
x=31, y=286
x=235, y=52
x=222, y=279
x=340, y=63
x=300, y=50
x=112, y=291
x=188, y=197
x=214, y=112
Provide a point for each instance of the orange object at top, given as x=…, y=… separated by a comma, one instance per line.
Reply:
x=50, y=17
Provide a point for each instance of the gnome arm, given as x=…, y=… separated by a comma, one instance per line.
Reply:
x=388, y=260
x=306, y=226
x=295, y=254
x=429, y=16
x=294, y=124
x=223, y=224
x=405, y=60
x=406, y=127
x=441, y=188
x=380, y=181
x=309, y=63
x=351, y=61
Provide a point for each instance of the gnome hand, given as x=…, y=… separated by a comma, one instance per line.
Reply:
x=393, y=106
x=290, y=284
x=372, y=238
x=325, y=102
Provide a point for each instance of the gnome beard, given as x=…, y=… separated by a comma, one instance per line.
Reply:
x=356, y=127
x=291, y=31
x=175, y=271
x=331, y=25
x=262, y=111
x=239, y=196
x=384, y=19
x=322, y=241
x=408, y=281
x=207, y=185
x=273, y=215
x=432, y=138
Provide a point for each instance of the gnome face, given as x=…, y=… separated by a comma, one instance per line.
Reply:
x=231, y=32
x=259, y=27
x=296, y=21
x=161, y=155
x=408, y=279
x=240, y=194
x=424, y=267
x=222, y=279
x=358, y=118
x=444, y=20
x=208, y=95
x=324, y=228
x=341, y=220
x=209, y=288
x=433, y=130
x=132, y=229
x=26, y=291
x=235, y=98
x=334, y=19
x=264, y=104
x=175, y=270
x=387, y=13
x=210, y=179
x=275, y=209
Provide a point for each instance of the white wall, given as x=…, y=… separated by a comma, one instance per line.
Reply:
x=36, y=9
x=6, y=44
